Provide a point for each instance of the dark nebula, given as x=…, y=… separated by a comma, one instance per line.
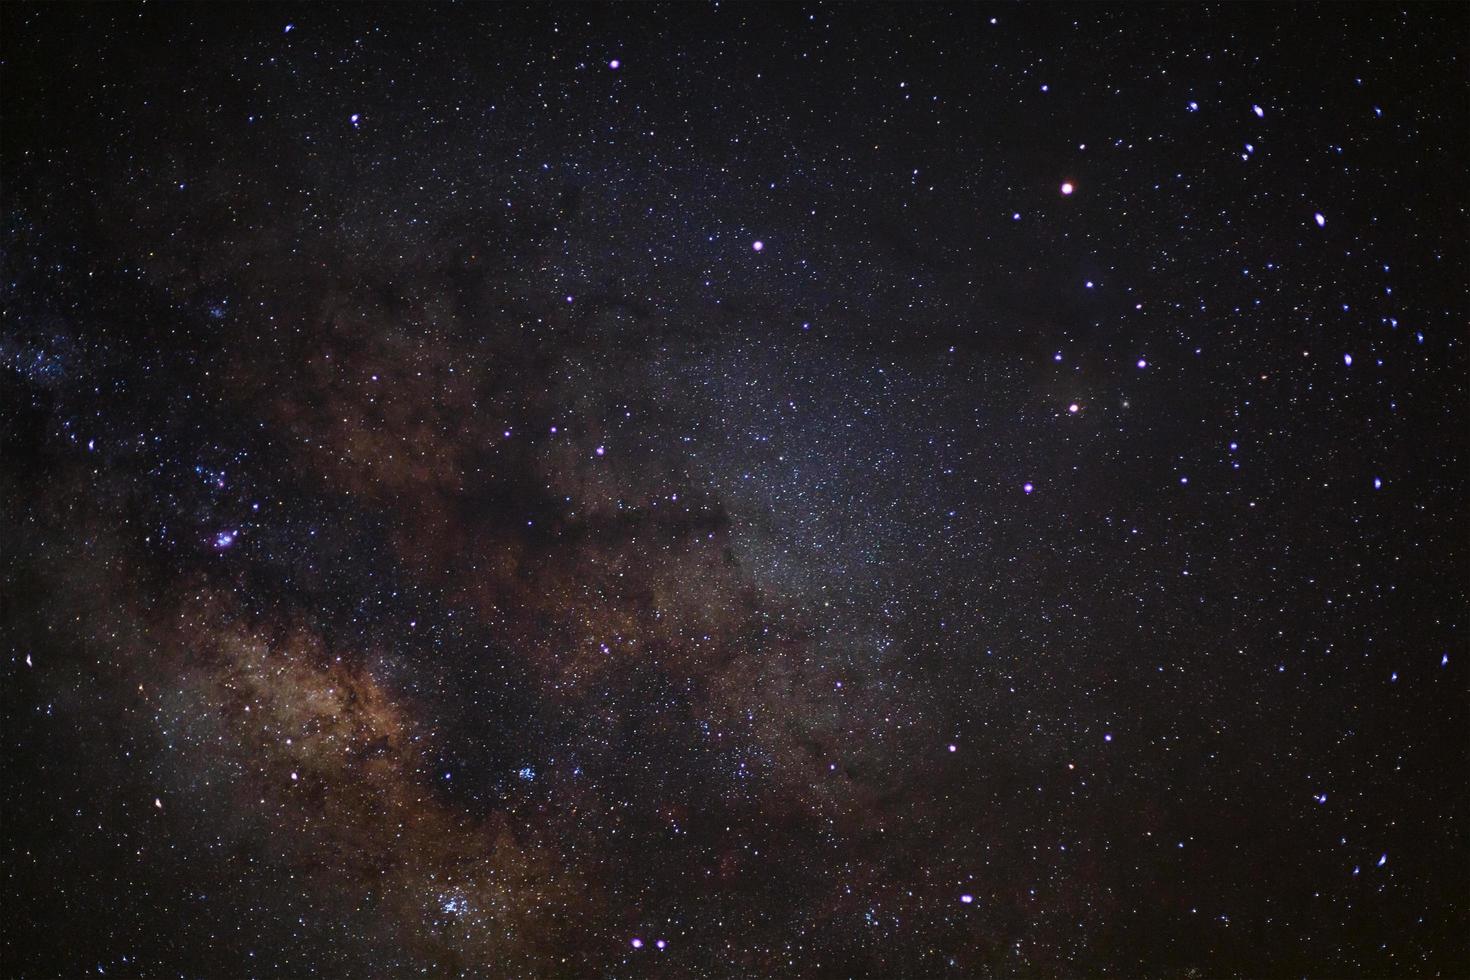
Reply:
x=734, y=491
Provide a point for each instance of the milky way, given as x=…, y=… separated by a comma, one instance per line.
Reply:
x=730, y=491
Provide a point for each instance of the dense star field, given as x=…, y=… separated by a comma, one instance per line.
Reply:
x=734, y=491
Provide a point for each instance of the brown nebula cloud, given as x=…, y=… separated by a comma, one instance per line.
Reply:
x=338, y=776
x=276, y=763
x=588, y=549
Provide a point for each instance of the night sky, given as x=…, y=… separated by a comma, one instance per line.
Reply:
x=734, y=491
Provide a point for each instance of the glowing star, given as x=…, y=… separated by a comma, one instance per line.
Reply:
x=1074, y=408
x=600, y=450
x=1320, y=218
x=967, y=899
x=615, y=64
x=224, y=539
x=636, y=943
x=1347, y=359
x=289, y=29
x=661, y=944
x=1378, y=483
x=1108, y=737
x=354, y=119
x=954, y=748
x=758, y=246
x=158, y=803
x=1142, y=364
x=1260, y=113
x=1382, y=860
x=1067, y=189
x=1027, y=488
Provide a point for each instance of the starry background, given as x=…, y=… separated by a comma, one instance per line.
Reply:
x=725, y=491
